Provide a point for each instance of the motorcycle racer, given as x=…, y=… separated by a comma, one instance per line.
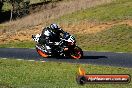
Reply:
x=50, y=36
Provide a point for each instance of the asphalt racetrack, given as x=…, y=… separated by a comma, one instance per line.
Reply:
x=99, y=58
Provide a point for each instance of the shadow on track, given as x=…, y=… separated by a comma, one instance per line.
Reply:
x=85, y=57
x=93, y=57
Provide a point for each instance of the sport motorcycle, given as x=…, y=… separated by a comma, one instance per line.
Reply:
x=65, y=48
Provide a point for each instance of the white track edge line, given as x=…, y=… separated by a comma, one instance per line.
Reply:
x=23, y=59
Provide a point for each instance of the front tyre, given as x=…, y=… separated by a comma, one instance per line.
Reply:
x=77, y=53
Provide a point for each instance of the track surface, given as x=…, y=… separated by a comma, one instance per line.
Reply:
x=100, y=58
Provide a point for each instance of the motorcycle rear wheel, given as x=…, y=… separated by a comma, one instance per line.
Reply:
x=41, y=53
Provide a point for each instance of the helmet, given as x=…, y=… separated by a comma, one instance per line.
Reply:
x=54, y=26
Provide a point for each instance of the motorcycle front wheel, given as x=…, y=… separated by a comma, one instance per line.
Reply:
x=77, y=53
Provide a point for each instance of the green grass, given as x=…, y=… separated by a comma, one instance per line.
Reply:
x=1, y=26
x=118, y=10
x=24, y=74
x=116, y=39
x=22, y=44
x=6, y=6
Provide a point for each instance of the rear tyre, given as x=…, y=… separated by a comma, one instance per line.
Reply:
x=41, y=53
x=77, y=53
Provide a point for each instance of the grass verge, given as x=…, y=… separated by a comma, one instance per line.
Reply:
x=22, y=44
x=117, y=10
x=24, y=74
x=116, y=39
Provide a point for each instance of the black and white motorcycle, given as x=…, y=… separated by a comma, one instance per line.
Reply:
x=67, y=45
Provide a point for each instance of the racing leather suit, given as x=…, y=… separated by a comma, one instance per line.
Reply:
x=48, y=38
